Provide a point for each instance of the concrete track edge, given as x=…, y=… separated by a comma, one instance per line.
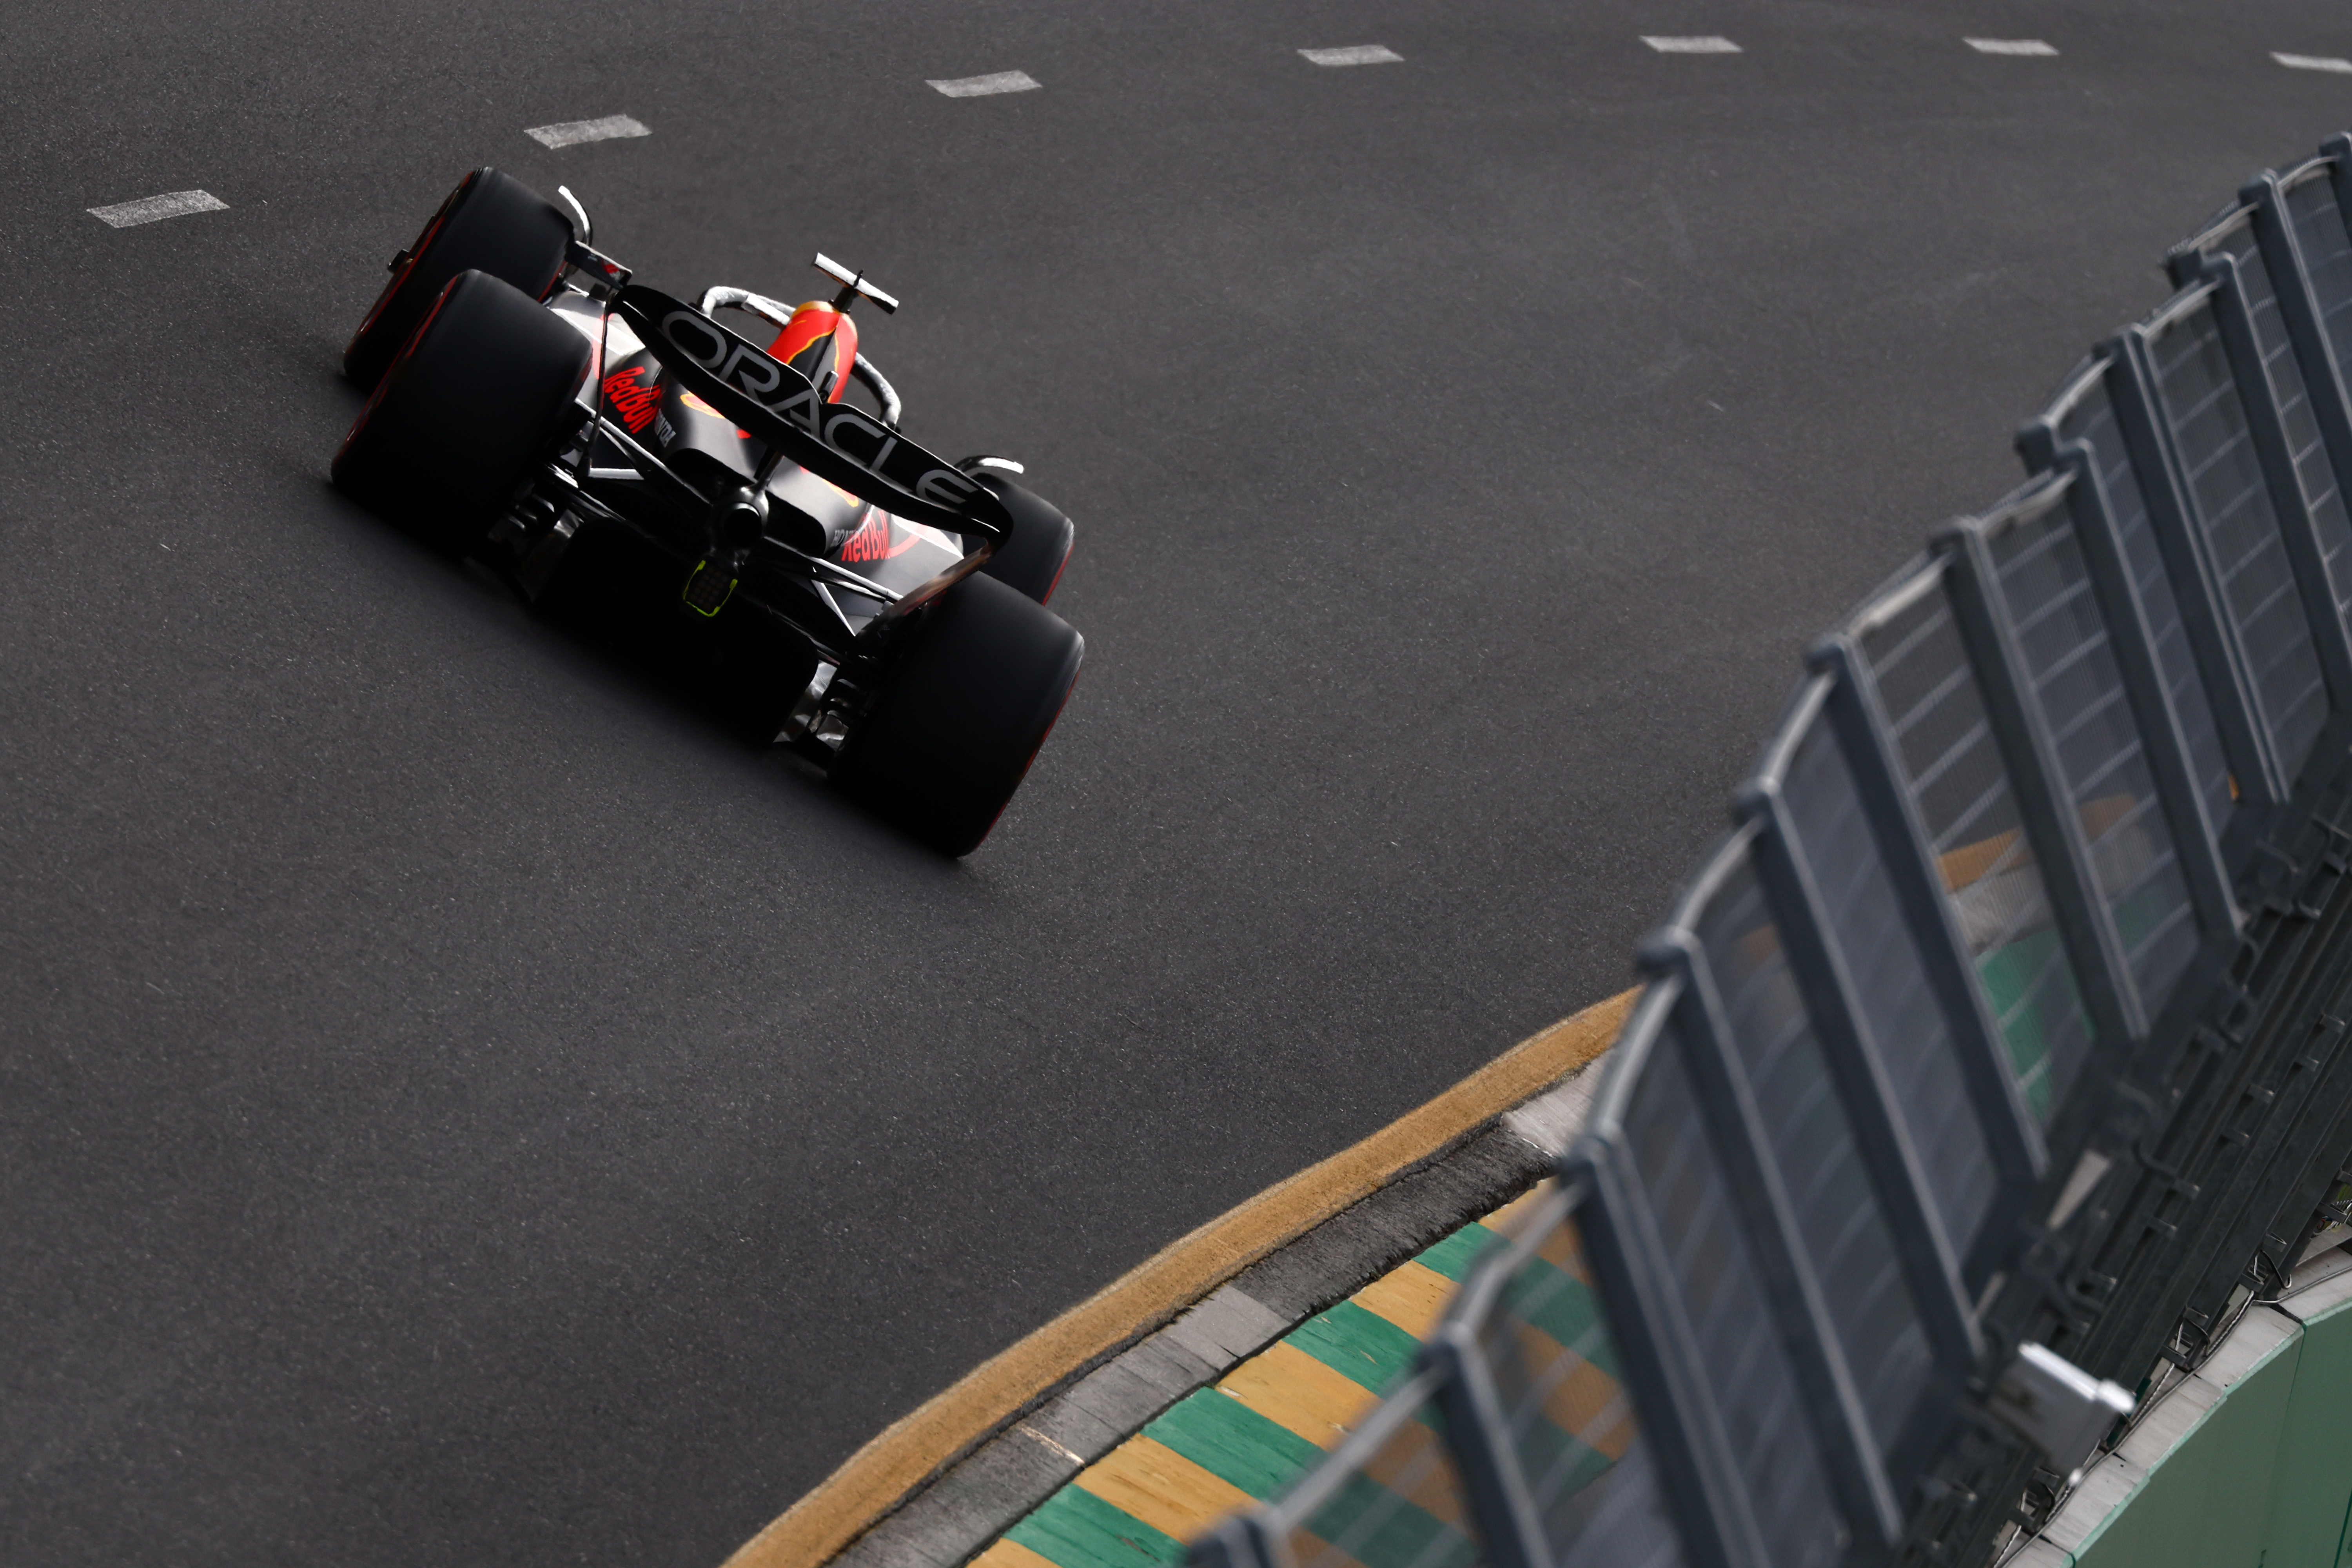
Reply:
x=2246, y=1460
x=913, y=1451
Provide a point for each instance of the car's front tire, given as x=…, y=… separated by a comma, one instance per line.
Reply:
x=477, y=397
x=944, y=748
x=491, y=222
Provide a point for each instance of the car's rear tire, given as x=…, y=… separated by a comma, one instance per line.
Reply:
x=942, y=752
x=475, y=399
x=491, y=222
x=1031, y=559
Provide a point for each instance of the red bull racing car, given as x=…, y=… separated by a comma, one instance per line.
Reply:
x=618, y=453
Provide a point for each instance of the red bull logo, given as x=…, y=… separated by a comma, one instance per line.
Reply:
x=635, y=401
x=872, y=541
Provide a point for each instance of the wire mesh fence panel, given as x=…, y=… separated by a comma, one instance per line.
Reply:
x=1771, y=1444
x=2320, y=236
x=2045, y=586
x=2240, y=528
x=1390, y=1497
x=1568, y=1417
x=2314, y=471
x=1742, y=1193
x=1831, y=833
x=1955, y=775
x=2091, y=419
x=1622, y=1524
x=1811, y=1142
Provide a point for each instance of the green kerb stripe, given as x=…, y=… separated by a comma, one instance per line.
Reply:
x=1233, y=1443
x=2031, y=985
x=1360, y=1346
x=1562, y=1306
x=1453, y=1256
x=1076, y=1528
x=1380, y=1529
x=1558, y=1464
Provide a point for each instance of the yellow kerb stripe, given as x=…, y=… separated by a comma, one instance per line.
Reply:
x=1147, y=1480
x=1564, y=1250
x=1972, y=862
x=1008, y=1553
x=1413, y=1464
x=1305, y=1547
x=1412, y=1297
x=1509, y=1218
x=1295, y=1391
x=2100, y=816
x=1584, y=1400
x=918, y=1445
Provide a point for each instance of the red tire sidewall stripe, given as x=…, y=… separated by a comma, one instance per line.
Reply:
x=1048, y=594
x=432, y=232
x=1041, y=737
x=391, y=371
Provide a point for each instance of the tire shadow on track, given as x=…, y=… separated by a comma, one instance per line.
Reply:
x=737, y=695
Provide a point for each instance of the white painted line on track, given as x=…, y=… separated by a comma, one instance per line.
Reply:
x=1354, y=54
x=147, y=209
x=2314, y=63
x=2008, y=46
x=981, y=86
x=1711, y=45
x=572, y=133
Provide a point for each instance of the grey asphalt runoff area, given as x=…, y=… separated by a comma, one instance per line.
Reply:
x=456, y=1106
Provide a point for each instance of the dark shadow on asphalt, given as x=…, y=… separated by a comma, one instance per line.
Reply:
x=641, y=641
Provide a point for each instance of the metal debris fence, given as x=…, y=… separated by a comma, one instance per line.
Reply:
x=2013, y=1011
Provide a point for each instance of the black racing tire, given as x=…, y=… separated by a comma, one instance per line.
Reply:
x=477, y=397
x=944, y=749
x=1031, y=559
x=491, y=222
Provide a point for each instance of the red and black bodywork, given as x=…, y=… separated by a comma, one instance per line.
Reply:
x=852, y=527
x=679, y=408
x=728, y=488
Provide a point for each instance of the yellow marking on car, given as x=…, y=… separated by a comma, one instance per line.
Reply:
x=688, y=592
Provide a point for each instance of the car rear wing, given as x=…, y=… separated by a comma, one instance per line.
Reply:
x=777, y=405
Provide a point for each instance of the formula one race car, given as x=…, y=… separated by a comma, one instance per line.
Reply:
x=620, y=453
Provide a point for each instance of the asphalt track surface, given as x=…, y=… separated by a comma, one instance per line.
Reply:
x=457, y=1106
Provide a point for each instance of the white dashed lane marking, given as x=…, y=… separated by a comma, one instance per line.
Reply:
x=147, y=209
x=572, y=133
x=981, y=86
x=1353, y=55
